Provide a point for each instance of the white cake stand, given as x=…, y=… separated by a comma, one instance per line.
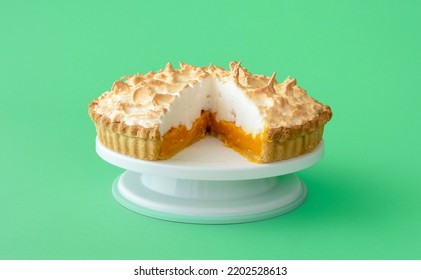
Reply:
x=209, y=183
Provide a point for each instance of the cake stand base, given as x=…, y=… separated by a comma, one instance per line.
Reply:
x=209, y=183
x=209, y=202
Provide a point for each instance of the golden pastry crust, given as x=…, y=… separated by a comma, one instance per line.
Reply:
x=145, y=143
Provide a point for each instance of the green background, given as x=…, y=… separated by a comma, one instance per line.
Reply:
x=360, y=57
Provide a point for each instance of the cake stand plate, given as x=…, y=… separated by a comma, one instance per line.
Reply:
x=209, y=183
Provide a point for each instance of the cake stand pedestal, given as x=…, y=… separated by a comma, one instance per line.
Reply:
x=208, y=183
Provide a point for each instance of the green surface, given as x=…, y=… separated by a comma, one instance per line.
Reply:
x=360, y=57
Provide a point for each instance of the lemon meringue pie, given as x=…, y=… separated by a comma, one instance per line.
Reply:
x=153, y=116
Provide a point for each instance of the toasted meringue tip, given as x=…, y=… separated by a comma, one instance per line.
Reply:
x=236, y=68
x=270, y=87
x=290, y=82
x=116, y=84
x=142, y=93
x=234, y=64
x=182, y=64
x=272, y=79
x=168, y=67
x=119, y=86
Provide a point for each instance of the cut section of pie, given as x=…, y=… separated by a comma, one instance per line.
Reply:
x=153, y=116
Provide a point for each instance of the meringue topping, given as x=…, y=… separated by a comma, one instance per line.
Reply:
x=171, y=97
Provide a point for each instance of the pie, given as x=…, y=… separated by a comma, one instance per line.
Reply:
x=153, y=116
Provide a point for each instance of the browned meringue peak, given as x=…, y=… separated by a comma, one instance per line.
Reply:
x=253, y=84
x=168, y=75
x=290, y=91
x=163, y=100
x=142, y=94
x=145, y=96
x=216, y=71
x=287, y=86
x=120, y=87
x=266, y=89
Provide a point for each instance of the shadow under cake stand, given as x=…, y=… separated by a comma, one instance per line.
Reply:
x=208, y=183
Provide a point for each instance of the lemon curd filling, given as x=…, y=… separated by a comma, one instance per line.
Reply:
x=233, y=137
